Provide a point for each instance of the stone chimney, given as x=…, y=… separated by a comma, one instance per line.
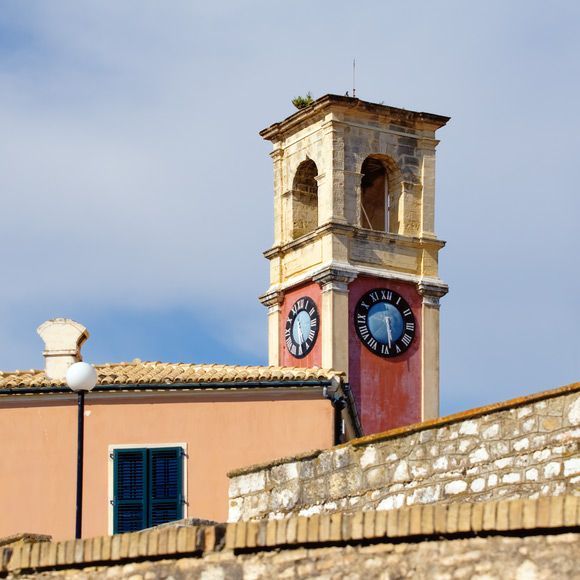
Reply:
x=63, y=339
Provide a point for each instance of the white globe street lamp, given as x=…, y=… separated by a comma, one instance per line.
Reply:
x=81, y=378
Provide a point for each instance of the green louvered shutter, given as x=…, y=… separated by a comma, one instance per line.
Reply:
x=130, y=490
x=165, y=485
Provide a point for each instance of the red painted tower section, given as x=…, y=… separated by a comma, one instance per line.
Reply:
x=314, y=357
x=387, y=391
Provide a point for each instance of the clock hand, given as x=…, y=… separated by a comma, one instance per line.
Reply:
x=300, y=331
x=389, y=331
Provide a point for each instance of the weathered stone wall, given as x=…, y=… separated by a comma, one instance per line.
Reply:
x=522, y=449
x=504, y=539
x=532, y=558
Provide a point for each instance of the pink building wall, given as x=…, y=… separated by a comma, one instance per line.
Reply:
x=38, y=449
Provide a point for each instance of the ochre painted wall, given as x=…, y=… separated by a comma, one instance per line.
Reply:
x=314, y=357
x=387, y=390
x=38, y=450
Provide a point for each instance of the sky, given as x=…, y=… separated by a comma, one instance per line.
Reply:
x=136, y=193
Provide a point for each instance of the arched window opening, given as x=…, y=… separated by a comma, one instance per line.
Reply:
x=375, y=198
x=305, y=199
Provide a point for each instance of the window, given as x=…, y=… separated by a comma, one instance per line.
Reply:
x=147, y=487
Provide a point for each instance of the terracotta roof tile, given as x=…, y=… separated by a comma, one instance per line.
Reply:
x=157, y=373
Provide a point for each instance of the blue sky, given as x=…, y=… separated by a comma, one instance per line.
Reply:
x=137, y=195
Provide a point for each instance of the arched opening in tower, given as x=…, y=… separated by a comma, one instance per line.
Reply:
x=305, y=199
x=375, y=199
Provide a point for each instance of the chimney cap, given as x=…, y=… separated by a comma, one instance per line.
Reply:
x=63, y=339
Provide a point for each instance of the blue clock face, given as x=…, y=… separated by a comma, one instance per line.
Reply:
x=384, y=322
x=301, y=327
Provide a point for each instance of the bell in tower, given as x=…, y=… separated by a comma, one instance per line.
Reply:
x=354, y=281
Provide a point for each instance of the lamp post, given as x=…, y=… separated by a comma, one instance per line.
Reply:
x=81, y=377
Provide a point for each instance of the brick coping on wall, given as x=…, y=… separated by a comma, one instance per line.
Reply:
x=415, y=427
x=23, y=538
x=543, y=516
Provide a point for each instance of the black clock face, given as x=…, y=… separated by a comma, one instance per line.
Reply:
x=302, y=327
x=384, y=322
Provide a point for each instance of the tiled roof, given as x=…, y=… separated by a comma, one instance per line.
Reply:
x=157, y=373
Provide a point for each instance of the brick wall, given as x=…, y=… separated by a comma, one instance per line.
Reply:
x=527, y=557
x=521, y=539
x=526, y=448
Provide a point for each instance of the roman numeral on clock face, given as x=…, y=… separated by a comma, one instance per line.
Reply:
x=386, y=295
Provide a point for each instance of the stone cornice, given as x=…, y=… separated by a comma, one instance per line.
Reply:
x=344, y=229
x=431, y=293
x=279, y=130
x=335, y=279
x=354, y=271
x=272, y=298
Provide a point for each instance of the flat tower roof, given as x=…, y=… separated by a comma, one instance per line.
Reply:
x=329, y=100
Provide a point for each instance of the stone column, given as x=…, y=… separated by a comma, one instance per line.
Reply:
x=277, y=157
x=332, y=190
x=409, y=206
x=352, y=181
x=426, y=154
x=273, y=301
x=430, y=349
x=334, y=316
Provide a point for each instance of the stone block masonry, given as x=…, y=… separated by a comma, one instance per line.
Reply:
x=522, y=558
x=525, y=537
x=525, y=448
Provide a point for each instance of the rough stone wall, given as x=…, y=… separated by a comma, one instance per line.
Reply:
x=526, y=450
x=533, y=558
x=327, y=544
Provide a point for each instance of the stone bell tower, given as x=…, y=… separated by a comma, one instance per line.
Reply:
x=354, y=280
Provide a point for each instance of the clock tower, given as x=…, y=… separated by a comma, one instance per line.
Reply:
x=354, y=281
